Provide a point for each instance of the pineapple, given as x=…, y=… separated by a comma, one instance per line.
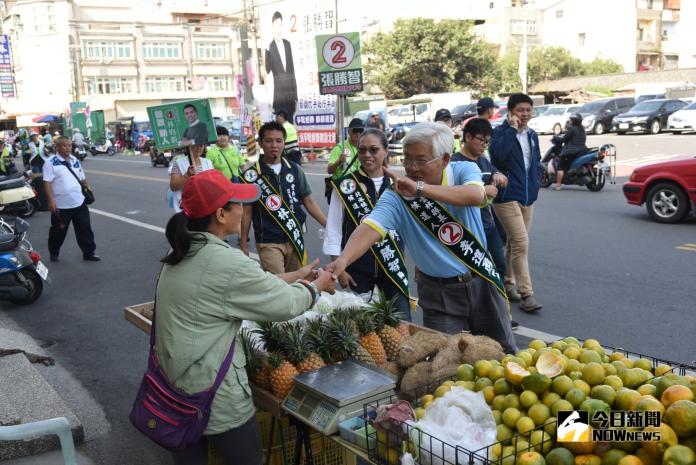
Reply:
x=253, y=361
x=404, y=330
x=263, y=376
x=272, y=334
x=369, y=339
x=282, y=375
x=387, y=319
x=343, y=341
x=296, y=346
x=316, y=333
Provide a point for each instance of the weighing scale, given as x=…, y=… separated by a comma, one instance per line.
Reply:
x=324, y=398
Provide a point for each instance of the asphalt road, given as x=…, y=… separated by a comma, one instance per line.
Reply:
x=601, y=269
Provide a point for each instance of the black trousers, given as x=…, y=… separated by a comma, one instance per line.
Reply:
x=238, y=446
x=60, y=222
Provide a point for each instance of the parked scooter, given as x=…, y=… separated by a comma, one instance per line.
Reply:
x=104, y=148
x=157, y=157
x=17, y=197
x=590, y=169
x=22, y=274
x=80, y=152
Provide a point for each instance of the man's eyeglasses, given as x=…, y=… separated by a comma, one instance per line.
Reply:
x=373, y=150
x=418, y=163
x=485, y=142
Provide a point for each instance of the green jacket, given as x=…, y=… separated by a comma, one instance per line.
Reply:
x=227, y=160
x=336, y=154
x=201, y=303
x=5, y=160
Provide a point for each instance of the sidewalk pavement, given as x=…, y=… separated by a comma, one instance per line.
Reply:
x=50, y=458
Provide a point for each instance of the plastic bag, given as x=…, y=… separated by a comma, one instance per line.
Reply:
x=459, y=419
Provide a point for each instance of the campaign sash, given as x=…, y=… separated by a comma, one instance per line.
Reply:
x=455, y=238
x=387, y=254
x=278, y=209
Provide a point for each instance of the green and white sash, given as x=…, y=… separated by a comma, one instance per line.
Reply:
x=455, y=238
x=358, y=205
x=278, y=209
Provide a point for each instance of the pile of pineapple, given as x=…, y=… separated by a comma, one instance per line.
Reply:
x=371, y=335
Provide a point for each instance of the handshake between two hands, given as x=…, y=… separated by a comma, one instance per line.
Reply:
x=325, y=278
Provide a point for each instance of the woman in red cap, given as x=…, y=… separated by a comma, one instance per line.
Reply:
x=205, y=290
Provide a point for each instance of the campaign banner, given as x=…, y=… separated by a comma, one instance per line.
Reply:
x=181, y=124
x=339, y=63
x=316, y=122
x=7, y=88
x=289, y=62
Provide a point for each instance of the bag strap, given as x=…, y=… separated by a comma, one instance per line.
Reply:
x=67, y=165
x=222, y=154
x=224, y=368
x=355, y=157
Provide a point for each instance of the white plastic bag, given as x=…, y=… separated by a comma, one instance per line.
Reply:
x=461, y=418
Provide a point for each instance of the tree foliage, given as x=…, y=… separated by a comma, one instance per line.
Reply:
x=422, y=56
x=547, y=63
x=425, y=56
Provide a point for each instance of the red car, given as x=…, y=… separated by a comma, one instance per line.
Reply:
x=668, y=189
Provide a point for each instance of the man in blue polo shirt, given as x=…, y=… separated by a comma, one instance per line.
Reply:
x=436, y=210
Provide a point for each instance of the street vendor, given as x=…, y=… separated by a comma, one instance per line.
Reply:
x=436, y=210
x=278, y=216
x=205, y=290
x=353, y=197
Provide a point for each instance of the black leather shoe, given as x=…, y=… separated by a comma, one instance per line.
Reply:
x=514, y=324
x=92, y=258
x=54, y=258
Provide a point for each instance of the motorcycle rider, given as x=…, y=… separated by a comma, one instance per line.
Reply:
x=573, y=141
x=78, y=139
x=37, y=156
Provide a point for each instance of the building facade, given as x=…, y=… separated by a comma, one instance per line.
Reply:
x=641, y=35
x=120, y=56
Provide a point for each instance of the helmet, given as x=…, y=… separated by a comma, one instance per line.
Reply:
x=76, y=130
x=576, y=119
x=57, y=133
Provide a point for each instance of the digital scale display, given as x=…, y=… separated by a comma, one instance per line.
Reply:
x=324, y=398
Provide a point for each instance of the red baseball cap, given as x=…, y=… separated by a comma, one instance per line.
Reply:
x=207, y=191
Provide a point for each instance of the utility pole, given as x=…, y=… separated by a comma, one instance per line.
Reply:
x=522, y=66
x=244, y=39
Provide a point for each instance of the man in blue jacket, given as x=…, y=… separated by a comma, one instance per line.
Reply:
x=515, y=152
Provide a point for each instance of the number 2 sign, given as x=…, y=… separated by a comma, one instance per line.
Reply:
x=338, y=52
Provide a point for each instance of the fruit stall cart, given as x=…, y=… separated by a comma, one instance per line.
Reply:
x=321, y=395
x=524, y=394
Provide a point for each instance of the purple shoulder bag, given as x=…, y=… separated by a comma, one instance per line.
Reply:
x=165, y=414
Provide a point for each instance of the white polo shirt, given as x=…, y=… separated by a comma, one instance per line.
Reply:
x=523, y=137
x=67, y=191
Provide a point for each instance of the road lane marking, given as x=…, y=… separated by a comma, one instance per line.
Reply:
x=140, y=224
x=687, y=247
x=130, y=176
x=142, y=162
x=536, y=334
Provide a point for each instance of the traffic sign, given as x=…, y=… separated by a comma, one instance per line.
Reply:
x=340, y=68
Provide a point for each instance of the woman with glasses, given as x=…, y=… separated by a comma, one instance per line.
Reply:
x=353, y=197
x=205, y=289
x=183, y=169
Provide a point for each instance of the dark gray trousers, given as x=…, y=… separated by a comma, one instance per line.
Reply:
x=474, y=306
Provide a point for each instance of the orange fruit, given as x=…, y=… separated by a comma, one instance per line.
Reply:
x=668, y=438
x=630, y=460
x=674, y=393
x=531, y=458
x=681, y=416
x=587, y=459
x=679, y=455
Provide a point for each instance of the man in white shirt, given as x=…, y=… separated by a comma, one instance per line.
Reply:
x=63, y=179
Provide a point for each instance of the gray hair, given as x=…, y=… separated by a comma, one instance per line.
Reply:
x=439, y=136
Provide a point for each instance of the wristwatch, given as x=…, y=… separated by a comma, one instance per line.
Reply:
x=313, y=289
x=419, y=189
